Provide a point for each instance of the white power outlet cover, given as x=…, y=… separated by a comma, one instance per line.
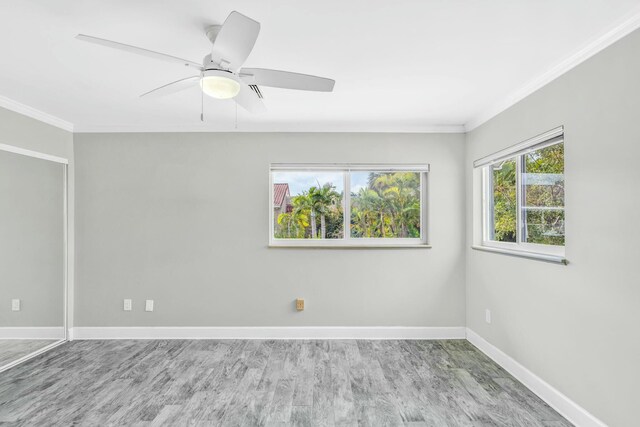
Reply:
x=148, y=305
x=487, y=315
x=15, y=305
x=127, y=305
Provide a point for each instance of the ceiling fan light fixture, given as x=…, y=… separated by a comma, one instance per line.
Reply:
x=219, y=84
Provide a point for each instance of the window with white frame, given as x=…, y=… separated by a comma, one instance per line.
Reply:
x=523, y=196
x=348, y=205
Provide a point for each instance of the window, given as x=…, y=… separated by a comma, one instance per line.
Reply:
x=348, y=205
x=523, y=196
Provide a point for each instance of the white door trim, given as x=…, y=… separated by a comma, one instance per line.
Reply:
x=31, y=153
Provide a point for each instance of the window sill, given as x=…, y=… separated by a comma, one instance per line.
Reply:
x=387, y=246
x=557, y=259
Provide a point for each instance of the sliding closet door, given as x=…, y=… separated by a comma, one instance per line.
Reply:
x=32, y=255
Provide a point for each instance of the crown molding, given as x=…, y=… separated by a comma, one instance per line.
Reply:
x=606, y=39
x=25, y=110
x=270, y=128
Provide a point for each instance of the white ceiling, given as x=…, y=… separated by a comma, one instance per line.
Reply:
x=398, y=65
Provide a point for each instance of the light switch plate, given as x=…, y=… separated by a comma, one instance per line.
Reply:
x=127, y=305
x=15, y=305
x=487, y=315
x=148, y=305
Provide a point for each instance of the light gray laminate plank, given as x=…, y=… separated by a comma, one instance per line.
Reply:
x=281, y=405
x=375, y=401
x=301, y=416
x=260, y=398
x=524, y=397
x=402, y=379
x=322, y=409
x=242, y=401
x=304, y=378
x=344, y=410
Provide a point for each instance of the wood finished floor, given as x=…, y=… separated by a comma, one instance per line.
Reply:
x=271, y=383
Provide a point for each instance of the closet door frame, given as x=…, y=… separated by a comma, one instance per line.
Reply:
x=65, y=249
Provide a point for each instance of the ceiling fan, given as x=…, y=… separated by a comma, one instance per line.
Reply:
x=221, y=75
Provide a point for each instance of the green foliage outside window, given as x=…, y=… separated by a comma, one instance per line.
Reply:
x=542, y=195
x=387, y=207
x=504, y=201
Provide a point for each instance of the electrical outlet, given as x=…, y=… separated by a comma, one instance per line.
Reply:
x=127, y=305
x=300, y=304
x=148, y=305
x=487, y=315
x=15, y=305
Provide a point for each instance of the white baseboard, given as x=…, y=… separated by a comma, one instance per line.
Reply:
x=276, y=332
x=32, y=333
x=558, y=401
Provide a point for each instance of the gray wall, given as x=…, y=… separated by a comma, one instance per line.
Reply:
x=183, y=219
x=31, y=241
x=575, y=326
x=22, y=131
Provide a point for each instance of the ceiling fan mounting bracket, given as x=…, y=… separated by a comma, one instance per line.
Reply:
x=212, y=32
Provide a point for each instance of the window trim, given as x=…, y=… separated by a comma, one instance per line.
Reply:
x=516, y=152
x=538, y=141
x=523, y=254
x=347, y=241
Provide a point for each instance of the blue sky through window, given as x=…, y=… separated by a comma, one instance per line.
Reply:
x=302, y=181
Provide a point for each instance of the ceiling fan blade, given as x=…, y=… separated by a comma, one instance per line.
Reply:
x=172, y=87
x=138, y=51
x=234, y=42
x=249, y=100
x=286, y=79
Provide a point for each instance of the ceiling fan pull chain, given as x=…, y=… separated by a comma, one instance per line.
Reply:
x=236, y=116
x=201, y=106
